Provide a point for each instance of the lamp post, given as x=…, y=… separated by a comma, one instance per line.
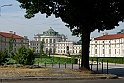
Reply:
x=0, y=16
x=3, y=6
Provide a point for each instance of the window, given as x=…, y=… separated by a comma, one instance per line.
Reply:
x=115, y=51
x=95, y=41
x=102, y=41
x=109, y=51
x=54, y=41
x=95, y=51
x=64, y=51
x=46, y=40
x=50, y=40
x=76, y=51
x=103, y=51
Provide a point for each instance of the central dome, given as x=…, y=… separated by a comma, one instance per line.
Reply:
x=50, y=32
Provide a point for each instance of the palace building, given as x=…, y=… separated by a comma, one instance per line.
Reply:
x=107, y=45
x=55, y=42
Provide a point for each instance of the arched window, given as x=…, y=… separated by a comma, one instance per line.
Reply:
x=54, y=41
x=46, y=40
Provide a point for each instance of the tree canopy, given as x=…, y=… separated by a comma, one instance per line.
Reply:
x=121, y=31
x=90, y=14
x=3, y=57
x=82, y=17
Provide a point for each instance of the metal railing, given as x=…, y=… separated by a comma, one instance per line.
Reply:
x=94, y=65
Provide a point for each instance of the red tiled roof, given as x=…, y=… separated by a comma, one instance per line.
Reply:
x=8, y=35
x=110, y=37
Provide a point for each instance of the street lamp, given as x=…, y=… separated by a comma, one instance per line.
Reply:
x=3, y=6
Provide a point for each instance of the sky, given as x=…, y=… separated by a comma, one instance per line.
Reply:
x=12, y=19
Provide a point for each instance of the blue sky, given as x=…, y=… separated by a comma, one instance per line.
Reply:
x=12, y=19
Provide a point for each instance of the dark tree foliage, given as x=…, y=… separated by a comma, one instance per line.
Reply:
x=82, y=17
x=3, y=57
x=41, y=49
x=24, y=56
x=121, y=31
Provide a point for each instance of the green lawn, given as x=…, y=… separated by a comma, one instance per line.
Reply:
x=53, y=60
x=119, y=60
x=49, y=60
x=58, y=60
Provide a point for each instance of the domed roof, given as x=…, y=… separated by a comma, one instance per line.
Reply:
x=50, y=30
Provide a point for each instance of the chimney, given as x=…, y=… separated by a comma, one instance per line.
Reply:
x=103, y=34
x=14, y=33
x=11, y=32
x=106, y=33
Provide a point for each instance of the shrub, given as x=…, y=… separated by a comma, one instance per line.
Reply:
x=3, y=57
x=24, y=56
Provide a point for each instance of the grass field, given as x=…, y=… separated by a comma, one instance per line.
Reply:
x=63, y=60
x=53, y=60
x=119, y=60
x=49, y=60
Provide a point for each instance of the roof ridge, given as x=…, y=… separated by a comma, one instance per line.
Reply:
x=110, y=37
x=8, y=35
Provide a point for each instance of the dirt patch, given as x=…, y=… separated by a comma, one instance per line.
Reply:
x=43, y=71
x=22, y=71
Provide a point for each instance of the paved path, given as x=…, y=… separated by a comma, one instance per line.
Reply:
x=117, y=69
x=113, y=68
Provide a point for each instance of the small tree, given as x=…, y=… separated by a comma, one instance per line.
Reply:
x=24, y=56
x=3, y=57
x=41, y=49
x=11, y=40
x=50, y=51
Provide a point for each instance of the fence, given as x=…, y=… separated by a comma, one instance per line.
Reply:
x=76, y=64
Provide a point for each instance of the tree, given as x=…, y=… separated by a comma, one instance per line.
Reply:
x=121, y=31
x=10, y=50
x=11, y=40
x=24, y=56
x=50, y=51
x=82, y=17
x=41, y=48
x=3, y=57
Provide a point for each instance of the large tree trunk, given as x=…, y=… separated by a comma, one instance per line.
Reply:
x=85, y=49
